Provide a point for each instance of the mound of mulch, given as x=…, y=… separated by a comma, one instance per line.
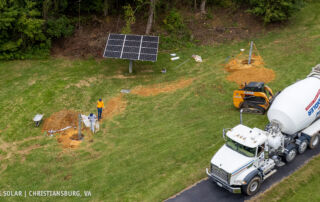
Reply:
x=61, y=119
x=161, y=88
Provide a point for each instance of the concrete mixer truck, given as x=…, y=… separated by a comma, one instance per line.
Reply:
x=251, y=155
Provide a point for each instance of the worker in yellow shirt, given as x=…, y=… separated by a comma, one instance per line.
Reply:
x=100, y=105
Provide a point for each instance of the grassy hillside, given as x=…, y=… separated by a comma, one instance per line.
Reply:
x=160, y=144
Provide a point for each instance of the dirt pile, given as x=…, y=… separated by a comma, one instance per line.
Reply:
x=60, y=120
x=113, y=107
x=67, y=138
x=240, y=63
x=253, y=74
x=241, y=71
x=161, y=88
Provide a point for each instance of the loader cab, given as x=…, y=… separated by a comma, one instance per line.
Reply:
x=254, y=87
x=253, y=97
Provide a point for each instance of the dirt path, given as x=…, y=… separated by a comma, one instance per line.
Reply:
x=161, y=88
x=114, y=106
x=11, y=149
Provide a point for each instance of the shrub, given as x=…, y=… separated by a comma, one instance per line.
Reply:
x=174, y=24
x=274, y=10
x=21, y=29
x=60, y=27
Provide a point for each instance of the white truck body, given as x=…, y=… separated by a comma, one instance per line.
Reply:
x=297, y=106
x=251, y=155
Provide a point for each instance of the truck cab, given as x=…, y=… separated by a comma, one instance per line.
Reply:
x=242, y=163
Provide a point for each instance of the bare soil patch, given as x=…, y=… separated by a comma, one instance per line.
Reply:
x=219, y=26
x=161, y=88
x=252, y=74
x=241, y=63
x=11, y=150
x=114, y=106
x=241, y=72
x=67, y=138
x=61, y=119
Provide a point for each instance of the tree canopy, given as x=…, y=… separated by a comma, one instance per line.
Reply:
x=28, y=26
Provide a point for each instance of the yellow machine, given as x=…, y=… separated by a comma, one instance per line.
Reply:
x=255, y=97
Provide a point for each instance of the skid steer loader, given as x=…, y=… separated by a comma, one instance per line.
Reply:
x=255, y=97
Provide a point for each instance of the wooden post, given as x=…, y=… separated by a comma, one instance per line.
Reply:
x=130, y=66
x=79, y=128
x=250, y=53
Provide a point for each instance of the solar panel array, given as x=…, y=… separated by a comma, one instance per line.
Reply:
x=132, y=47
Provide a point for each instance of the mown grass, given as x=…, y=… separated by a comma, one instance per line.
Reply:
x=301, y=186
x=159, y=145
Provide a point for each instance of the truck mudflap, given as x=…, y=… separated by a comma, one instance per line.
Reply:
x=220, y=183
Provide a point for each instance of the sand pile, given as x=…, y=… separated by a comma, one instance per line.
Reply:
x=61, y=119
x=114, y=107
x=161, y=88
x=241, y=71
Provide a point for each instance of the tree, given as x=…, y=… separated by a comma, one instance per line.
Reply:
x=45, y=8
x=105, y=7
x=22, y=29
x=274, y=10
x=151, y=14
x=203, y=7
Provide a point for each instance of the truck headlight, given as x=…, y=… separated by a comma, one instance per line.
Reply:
x=242, y=182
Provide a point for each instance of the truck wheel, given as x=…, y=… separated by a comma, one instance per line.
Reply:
x=314, y=141
x=291, y=155
x=253, y=186
x=303, y=146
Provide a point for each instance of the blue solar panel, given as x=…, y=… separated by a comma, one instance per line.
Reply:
x=111, y=54
x=117, y=36
x=134, y=37
x=147, y=57
x=151, y=38
x=115, y=42
x=130, y=56
x=114, y=48
x=151, y=51
x=149, y=45
x=132, y=43
x=132, y=47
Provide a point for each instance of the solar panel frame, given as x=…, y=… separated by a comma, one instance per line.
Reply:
x=133, y=47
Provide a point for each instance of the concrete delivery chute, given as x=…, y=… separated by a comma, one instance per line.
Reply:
x=251, y=155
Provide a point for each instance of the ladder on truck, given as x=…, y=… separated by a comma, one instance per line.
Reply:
x=315, y=72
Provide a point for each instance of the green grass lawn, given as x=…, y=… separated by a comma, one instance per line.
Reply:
x=159, y=145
